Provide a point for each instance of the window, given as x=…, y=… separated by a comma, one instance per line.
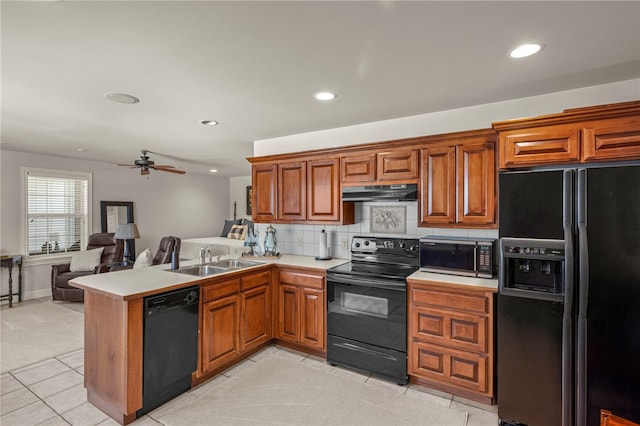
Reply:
x=57, y=206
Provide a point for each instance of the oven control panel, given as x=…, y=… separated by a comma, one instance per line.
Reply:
x=375, y=244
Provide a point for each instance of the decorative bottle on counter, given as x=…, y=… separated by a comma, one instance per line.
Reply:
x=270, y=241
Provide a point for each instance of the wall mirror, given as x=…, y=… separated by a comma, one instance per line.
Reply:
x=114, y=213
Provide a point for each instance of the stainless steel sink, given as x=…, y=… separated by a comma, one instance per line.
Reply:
x=235, y=263
x=214, y=268
x=201, y=270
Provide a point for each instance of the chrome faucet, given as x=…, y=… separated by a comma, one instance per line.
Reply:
x=203, y=252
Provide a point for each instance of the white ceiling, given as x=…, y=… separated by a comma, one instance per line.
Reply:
x=253, y=66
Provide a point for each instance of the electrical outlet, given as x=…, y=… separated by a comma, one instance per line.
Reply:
x=345, y=244
x=300, y=241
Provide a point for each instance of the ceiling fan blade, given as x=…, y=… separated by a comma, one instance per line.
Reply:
x=126, y=165
x=170, y=169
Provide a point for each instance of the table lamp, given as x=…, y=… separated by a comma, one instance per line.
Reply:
x=127, y=232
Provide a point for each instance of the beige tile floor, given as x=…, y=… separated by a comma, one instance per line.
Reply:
x=51, y=392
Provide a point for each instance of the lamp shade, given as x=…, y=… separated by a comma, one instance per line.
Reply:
x=126, y=231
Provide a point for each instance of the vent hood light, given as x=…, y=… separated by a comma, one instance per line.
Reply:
x=325, y=96
x=525, y=50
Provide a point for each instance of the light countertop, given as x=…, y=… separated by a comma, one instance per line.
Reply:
x=136, y=283
x=455, y=280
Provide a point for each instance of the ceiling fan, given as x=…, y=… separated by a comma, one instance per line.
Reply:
x=144, y=164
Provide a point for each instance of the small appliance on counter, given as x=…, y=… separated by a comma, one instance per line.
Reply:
x=471, y=257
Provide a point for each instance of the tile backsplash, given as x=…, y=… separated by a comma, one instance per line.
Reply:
x=305, y=239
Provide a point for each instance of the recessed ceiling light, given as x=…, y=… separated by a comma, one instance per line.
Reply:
x=209, y=122
x=121, y=98
x=81, y=149
x=325, y=96
x=525, y=50
x=213, y=171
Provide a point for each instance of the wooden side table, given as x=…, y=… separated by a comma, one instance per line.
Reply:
x=8, y=262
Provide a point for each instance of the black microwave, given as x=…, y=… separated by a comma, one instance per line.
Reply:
x=471, y=257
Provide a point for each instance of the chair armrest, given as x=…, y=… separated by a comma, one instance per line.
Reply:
x=60, y=268
x=118, y=266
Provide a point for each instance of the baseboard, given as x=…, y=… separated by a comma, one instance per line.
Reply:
x=35, y=294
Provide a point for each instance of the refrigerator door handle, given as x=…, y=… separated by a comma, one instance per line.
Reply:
x=583, y=293
x=567, y=315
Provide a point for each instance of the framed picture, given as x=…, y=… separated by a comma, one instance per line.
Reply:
x=388, y=220
x=249, y=196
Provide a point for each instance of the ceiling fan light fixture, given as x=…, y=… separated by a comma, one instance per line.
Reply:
x=209, y=122
x=525, y=50
x=121, y=98
x=325, y=96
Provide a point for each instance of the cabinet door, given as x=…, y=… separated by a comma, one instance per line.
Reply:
x=288, y=313
x=264, y=179
x=451, y=367
x=358, y=169
x=438, y=185
x=398, y=165
x=323, y=190
x=617, y=139
x=476, y=183
x=539, y=146
x=449, y=328
x=292, y=191
x=255, y=322
x=312, y=315
x=220, y=332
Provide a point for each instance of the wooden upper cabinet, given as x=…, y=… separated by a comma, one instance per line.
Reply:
x=397, y=165
x=323, y=190
x=358, y=169
x=264, y=178
x=612, y=139
x=579, y=135
x=553, y=144
x=438, y=185
x=458, y=180
x=292, y=191
x=476, y=183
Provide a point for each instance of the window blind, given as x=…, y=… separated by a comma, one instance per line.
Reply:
x=57, y=213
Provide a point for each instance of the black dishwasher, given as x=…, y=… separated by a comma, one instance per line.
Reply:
x=170, y=352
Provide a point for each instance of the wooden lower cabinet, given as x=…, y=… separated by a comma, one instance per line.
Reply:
x=220, y=327
x=236, y=319
x=451, y=339
x=301, y=305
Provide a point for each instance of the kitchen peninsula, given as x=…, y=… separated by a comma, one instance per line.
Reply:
x=243, y=301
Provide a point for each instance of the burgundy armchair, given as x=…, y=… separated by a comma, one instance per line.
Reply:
x=61, y=274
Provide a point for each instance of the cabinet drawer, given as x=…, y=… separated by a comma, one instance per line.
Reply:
x=546, y=145
x=449, y=366
x=255, y=280
x=612, y=140
x=469, y=302
x=448, y=328
x=224, y=288
x=397, y=165
x=301, y=279
x=358, y=169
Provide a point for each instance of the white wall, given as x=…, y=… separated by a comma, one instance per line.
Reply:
x=238, y=194
x=304, y=239
x=186, y=206
x=470, y=118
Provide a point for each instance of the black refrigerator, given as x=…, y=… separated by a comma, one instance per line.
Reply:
x=568, y=308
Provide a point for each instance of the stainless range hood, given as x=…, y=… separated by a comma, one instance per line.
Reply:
x=404, y=192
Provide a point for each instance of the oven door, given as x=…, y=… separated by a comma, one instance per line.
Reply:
x=368, y=310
